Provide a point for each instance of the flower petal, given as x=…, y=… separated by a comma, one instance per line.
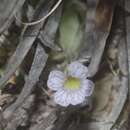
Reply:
x=65, y=98
x=77, y=97
x=55, y=80
x=60, y=97
x=87, y=86
x=78, y=70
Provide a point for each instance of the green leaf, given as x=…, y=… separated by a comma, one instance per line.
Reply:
x=70, y=31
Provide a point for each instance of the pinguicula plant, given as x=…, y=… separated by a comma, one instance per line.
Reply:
x=72, y=86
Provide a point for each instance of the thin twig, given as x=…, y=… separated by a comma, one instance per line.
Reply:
x=43, y=18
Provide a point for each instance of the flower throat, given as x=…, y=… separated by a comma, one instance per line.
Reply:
x=72, y=83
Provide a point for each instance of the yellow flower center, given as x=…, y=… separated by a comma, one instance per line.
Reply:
x=72, y=83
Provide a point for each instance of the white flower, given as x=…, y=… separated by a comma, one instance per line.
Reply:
x=71, y=87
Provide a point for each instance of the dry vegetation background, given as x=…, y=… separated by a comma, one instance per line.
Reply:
x=96, y=32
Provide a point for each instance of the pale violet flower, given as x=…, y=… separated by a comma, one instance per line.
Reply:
x=71, y=87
